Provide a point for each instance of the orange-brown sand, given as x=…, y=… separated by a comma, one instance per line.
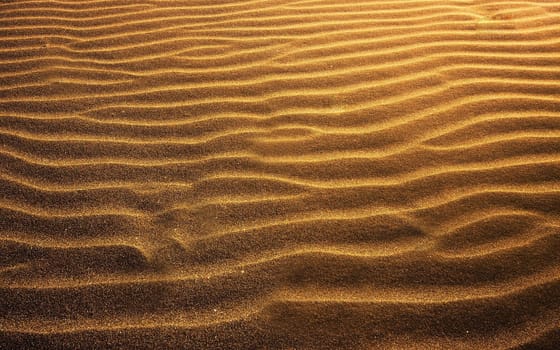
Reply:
x=278, y=174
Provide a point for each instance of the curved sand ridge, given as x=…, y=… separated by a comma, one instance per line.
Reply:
x=280, y=174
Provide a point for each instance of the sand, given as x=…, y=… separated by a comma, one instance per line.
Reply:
x=277, y=174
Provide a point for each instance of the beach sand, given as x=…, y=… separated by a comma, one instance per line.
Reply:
x=276, y=174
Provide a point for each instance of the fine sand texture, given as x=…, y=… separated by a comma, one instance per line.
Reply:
x=278, y=174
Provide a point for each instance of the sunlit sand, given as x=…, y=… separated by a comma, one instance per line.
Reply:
x=276, y=174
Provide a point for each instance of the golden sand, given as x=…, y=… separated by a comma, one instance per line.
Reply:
x=276, y=174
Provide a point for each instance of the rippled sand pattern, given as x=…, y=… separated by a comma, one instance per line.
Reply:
x=276, y=174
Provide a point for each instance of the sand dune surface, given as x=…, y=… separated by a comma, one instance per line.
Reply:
x=278, y=174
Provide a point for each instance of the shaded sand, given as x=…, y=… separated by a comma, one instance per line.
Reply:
x=276, y=174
